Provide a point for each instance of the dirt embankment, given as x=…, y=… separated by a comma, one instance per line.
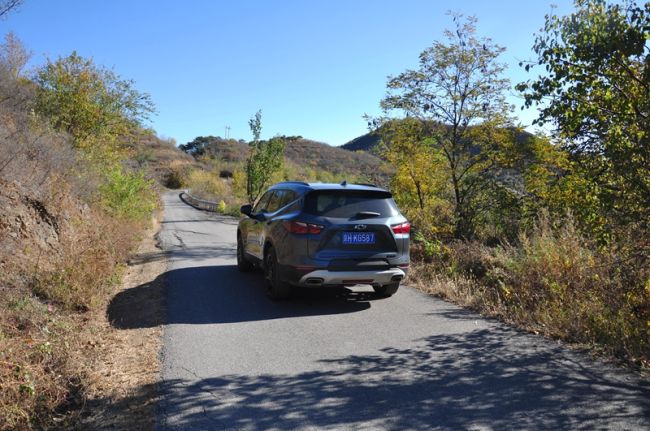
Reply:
x=31, y=230
x=68, y=357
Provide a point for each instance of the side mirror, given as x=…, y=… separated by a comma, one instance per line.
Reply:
x=246, y=209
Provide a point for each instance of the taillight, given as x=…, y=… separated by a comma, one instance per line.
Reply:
x=402, y=228
x=302, y=228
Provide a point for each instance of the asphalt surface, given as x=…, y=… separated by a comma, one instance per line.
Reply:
x=233, y=359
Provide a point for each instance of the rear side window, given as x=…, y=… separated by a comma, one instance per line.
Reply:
x=348, y=203
x=279, y=199
x=288, y=197
x=263, y=202
x=274, y=203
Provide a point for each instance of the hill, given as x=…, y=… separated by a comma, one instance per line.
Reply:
x=303, y=152
x=368, y=142
x=318, y=155
x=160, y=158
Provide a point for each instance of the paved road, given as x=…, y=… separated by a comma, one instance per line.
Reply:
x=233, y=359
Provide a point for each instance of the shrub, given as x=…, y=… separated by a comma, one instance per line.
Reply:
x=206, y=185
x=91, y=258
x=569, y=287
x=176, y=174
x=221, y=206
x=173, y=180
x=553, y=281
x=128, y=195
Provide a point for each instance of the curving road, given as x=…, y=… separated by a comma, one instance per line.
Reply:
x=233, y=359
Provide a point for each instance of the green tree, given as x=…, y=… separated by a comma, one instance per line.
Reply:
x=102, y=113
x=458, y=93
x=419, y=183
x=265, y=158
x=595, y=92
x=89, y=101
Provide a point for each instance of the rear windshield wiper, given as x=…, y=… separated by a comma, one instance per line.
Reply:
x=366, y=214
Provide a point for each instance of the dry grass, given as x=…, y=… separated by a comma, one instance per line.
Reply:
x=32, y=362
x=207, y=185
x=91, y=264
x=553, y=282
x=457, y=289
x=52, y=303
x=126, y=363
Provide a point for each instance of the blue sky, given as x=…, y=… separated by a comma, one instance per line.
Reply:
x=313, y=67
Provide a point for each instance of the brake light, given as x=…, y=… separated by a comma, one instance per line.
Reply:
x=402, y=228
x=302, y=228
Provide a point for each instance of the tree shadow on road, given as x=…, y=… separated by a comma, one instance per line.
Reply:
x=195, y=254
x=474, y=380
x=221, y=294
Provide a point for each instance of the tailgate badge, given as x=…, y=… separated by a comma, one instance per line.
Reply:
x=360, y=227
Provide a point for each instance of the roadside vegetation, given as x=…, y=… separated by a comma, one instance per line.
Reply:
x=76, y=192
x=548, y=232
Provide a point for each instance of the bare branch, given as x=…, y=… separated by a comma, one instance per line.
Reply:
x=7, y=6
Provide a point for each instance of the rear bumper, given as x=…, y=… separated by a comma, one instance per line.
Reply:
x=324, y=277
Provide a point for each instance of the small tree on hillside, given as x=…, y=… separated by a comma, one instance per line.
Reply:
x=458, y=94
x=265, y=158
x=13, y=55
x=88, y=101
x=419, y=183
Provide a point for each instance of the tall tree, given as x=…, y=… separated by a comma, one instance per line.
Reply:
x=265, y=158
x=595, y=91
x=458, y=93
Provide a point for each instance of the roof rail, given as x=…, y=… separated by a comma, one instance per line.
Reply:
x=294, y=182
x=367, y=185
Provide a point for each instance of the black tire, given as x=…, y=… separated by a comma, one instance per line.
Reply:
x=277, y=288
x=243, y=264
x=386, y=290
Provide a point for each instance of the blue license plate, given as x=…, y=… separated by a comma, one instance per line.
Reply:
x=358, y=237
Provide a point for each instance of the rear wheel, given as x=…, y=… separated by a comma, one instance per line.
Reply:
x=277, y=288
x=243, y=264
x=386, y=290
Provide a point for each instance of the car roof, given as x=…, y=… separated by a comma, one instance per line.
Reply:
x=303, y=187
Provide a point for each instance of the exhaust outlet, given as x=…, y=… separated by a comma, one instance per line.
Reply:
x=314, y=281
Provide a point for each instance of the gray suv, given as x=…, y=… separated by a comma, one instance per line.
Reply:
x=324, y=235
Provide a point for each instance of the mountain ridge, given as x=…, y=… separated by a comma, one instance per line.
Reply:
x=305, y=152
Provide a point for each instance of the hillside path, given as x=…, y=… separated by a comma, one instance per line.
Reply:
x=233, y=359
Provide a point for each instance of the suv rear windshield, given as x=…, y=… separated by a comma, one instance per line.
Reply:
x=348, y=203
